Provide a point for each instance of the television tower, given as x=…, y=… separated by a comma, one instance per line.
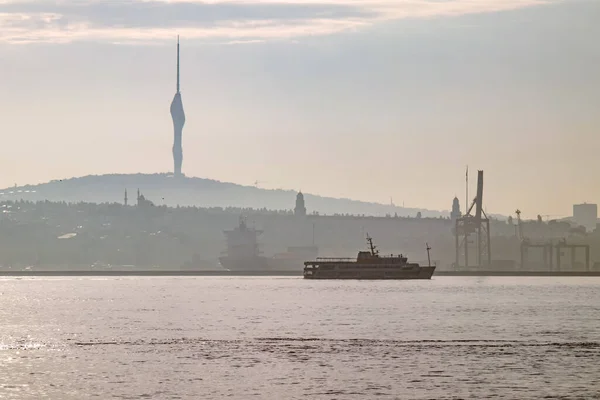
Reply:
x=178, y=121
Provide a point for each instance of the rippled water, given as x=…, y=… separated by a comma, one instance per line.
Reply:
x=286, y=338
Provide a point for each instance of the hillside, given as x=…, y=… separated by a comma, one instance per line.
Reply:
x=164, y=189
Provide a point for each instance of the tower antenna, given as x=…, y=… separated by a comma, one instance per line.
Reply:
x=177, y=63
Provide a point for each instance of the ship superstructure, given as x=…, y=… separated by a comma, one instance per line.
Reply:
x=243, y=240
x=243, y=252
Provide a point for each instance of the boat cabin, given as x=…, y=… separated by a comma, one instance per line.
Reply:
x=366, y=257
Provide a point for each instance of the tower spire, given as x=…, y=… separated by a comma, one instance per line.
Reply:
x=177, y=63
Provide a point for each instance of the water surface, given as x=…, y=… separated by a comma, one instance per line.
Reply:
x=289, y=338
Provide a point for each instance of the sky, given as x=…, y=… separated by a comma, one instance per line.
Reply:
x=375, y=100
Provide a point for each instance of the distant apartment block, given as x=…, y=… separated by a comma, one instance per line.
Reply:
x=585, y=215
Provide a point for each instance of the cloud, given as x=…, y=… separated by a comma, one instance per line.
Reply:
x=139, y=21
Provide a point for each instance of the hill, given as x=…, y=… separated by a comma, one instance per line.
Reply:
x=164, y=189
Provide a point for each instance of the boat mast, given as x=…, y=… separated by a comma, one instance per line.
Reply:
x=372, y=247
x=428, y=257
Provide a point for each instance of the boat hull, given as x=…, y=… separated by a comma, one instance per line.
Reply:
x=400, y=274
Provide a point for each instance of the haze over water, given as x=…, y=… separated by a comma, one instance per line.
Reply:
x=264, y=337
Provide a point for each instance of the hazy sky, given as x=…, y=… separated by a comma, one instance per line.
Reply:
x=366, y=99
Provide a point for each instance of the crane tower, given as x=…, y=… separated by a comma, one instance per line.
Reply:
x=474, y=229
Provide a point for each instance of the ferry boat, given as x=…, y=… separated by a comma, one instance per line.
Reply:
x=368, y=265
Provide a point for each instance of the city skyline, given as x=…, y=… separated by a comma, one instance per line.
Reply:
x=378, y=103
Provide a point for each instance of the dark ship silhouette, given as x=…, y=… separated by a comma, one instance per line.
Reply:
x=368, y=265
x=243, y=252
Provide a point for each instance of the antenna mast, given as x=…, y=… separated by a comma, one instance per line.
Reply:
x=373, y=248
x=428, y=257
x=177, y=63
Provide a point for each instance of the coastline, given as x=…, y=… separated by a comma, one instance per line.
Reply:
x=200, y=273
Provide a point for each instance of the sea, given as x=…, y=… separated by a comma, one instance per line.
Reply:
x=289, y=338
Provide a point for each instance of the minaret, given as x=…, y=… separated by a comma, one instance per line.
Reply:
x=300, y=208
x=178, y=121
x=455, y=214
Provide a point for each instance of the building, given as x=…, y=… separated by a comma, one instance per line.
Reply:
x=300, y=207
x=585, y=215
x=142, y=201
x=455, y=214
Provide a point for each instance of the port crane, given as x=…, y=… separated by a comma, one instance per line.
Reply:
x=475, y=223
